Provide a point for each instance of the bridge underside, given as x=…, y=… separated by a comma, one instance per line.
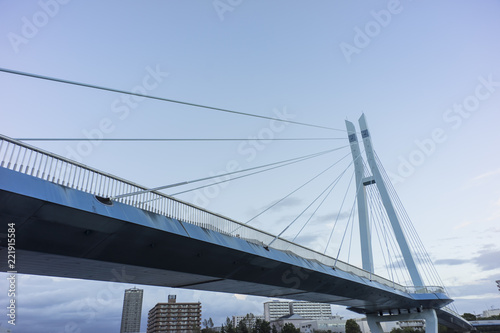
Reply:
x=68, y=233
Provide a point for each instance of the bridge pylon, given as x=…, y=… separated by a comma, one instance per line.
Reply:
x=362, y=181
x=377, y=180
x=388, y=205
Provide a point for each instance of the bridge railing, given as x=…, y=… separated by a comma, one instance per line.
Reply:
x=426, y=290
x=21, y=157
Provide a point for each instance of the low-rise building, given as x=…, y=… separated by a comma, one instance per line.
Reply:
x=490, y=313
x=334, y=325
x=294, y=319
x=249, y=320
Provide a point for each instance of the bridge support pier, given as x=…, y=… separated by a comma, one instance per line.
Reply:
x=429, y=315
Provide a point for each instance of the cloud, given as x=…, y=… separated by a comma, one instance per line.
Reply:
x=462, y=225
x=288, y=202
x=308, y=240
x=450, y=262
x=493, y=230
x=240, y=297
x=488, y=259
x=331, y=217
x=481, y=179
x=478, y=289
x=54, y=305
x=486, y=175
x=493, y=217
x=482, y=297
x=61, y=305
x=397, y=261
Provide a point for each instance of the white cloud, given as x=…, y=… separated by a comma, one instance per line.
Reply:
x=240, y=297
x=486, y=175
x=462, y=225
x=483, y=296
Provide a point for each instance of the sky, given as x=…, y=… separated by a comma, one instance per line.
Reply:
x=426, y=75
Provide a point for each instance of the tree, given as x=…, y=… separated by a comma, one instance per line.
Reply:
x=289, y=328
x=249, y=321
x=261, y=326
x=229, y=328
x=242, y=327
x=351, y=326
x=209, y=324
x=469, y=316
x=406, y=330
x=274, y=329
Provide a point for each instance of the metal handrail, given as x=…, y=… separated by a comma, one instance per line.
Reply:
x=21, y=157
x=425, y=290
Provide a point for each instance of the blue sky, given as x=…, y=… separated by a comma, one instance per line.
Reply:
x=426, y=75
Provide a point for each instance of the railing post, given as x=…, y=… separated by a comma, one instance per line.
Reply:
x=22, y=160
x=4, y=159
x=1, y=145
x=11, y=156
x=28, y=164
x=34, y=164
x=55, y=172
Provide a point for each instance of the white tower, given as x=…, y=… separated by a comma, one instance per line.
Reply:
x=361, y=182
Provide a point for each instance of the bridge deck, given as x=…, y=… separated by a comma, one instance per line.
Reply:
x=68, y=233
x=64, y=230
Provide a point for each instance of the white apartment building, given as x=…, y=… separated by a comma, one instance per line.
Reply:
x=309, y=310
x=276, y=309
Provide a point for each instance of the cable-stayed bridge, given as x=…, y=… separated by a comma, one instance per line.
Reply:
x=74, y=221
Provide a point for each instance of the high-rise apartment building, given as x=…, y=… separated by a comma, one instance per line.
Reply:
x=274, y=310
x=132, y=309
x=174, y=317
